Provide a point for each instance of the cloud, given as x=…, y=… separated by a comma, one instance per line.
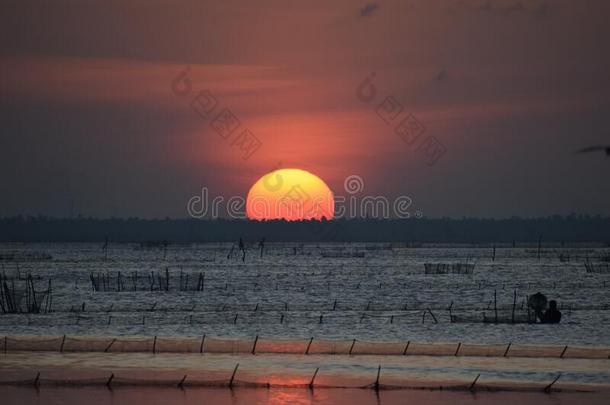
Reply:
x=80, y=79
x=368, y=9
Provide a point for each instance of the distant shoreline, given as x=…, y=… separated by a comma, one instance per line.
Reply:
x=555, y=230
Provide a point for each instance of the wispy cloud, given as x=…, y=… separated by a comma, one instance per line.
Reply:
x=112, y=79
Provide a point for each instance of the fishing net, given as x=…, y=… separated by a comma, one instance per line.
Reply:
x=311, y=346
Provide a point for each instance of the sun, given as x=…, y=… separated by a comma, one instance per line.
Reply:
x=290, y=194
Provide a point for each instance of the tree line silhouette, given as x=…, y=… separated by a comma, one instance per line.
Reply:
x=572, y=228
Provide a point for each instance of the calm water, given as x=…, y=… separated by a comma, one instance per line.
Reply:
x=373, y=292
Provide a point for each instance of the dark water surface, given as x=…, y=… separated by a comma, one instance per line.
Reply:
x=371, y=292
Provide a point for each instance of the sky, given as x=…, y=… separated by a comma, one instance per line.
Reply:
x=106, y=106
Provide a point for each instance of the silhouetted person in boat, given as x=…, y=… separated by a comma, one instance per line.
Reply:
x=551, y=315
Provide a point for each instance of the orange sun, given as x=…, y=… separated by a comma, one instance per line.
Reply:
x=290, y=194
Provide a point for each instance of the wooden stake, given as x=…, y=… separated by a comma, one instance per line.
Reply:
x=507, y=349
x=495, y=307
x=308, y=346
x=254, y=345
x=109, y=380
x=514, y=305
x=547, y=389
x=352, y=347
x=471, y=388
x=404, y=352
x=63, y=340
x=313, y=378
x=376, y=385
x=201, y=346
x=181, y=383
x=233, y=376
x=433, y=317
x=110, y=345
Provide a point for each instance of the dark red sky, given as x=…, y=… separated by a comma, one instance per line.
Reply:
x=90, y=125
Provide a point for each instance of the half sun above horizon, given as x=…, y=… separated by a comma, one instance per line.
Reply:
x=290, y=194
